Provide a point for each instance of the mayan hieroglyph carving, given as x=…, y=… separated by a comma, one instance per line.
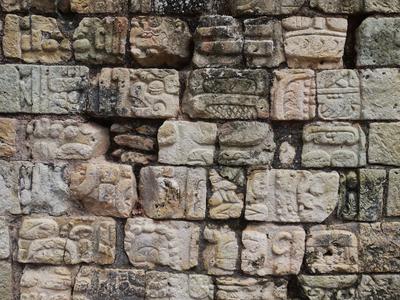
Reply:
x=98, y=6
x=8, y=135
x=339, y=6
x=265, y=7
x=43, y=6
x=172, y=7
x=375, y=286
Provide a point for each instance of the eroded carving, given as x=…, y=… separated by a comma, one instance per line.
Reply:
x=98, y=6
x=265, y=7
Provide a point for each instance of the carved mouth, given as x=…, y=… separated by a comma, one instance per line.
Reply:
x=226, y=111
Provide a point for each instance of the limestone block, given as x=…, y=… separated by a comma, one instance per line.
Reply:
x=93, y=283
x=262, y=7
x=291, y=196
x=4, y=239
x=105, y=189
x=315, y=43
x=222, y=250
x=164, y=285
x=9, y=187
x=44, y=6
x=65, y=139
x=272, y=250
x=6, y=282
x=393, y=200
x=98, y=6
x=293, y=95
x=187, y=143
x=263, y=43
x=171, y=7
x=8, y=136
x=287, y=154
x=35, y=39
x=339, y=6
x=230, y=288
x=377, y=42
x=67, y=240
x=379, y=286
x=246, y=143
x=384, y=143
x=335, y=144
x=382, y=6
x=160, y=41
x=145, y=93
x=101, y=41
x=173, y=244
x=227, y=94
x=218, y=42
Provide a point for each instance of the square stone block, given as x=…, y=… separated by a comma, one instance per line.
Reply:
x=384, y=141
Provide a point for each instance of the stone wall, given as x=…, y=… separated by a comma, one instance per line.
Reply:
x=200, y=149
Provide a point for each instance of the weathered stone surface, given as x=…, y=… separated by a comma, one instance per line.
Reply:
x=316, y=43
x=383, y=287
x=263, y=43
x=8, y=135
x=187, y=143
x=146, y=93
x=46, y=6
x=65, y=139
x=35, y=39
x=4, y=239
x=339, y=6
x=384, y=142
x=150, y=243
x=348, y=196
x=222, y=250
x=262, y=7
x=105, y=189
x=393, y=199
x=246, y=143
x=159, y=41
x=218, y=42
x=67, y=240
x=377, y=42
x=227, y=94
x=272, y=250
x=287, y=154
x=335, y=144
x=98, y=6
x=173, y=192
x=171, y=7
x=230, y=288
x=101, y=41
x=293, y=95
x=9, y=187
x=383, y=6
x=291, y=196
x=94, y=283
x=6, y=284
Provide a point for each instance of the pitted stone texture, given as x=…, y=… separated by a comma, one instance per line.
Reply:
x=227, y=94
x=8, y=136
x=230, y=288
x=105, y=189
x=6, y=280
x=246, y=143
x=35, y=39
x=383, y=287
x=67, y=240
x=101, y=41
x=43, y=89
x=384, y=143
x=94, y=283
x=187, y=143
x=263, y=43
x=171, y=7
x=4, y=239
x=293, y=95
x=339, y=6
x=287, y=154
x=377, y=42
x=46, y=6
x=173, y=192
x=65, y=139
x=272, y=250
x=316, y=43
x=262, y=7
x=335, y=144
x=9, y=187
x=98, y=6
x=382, y=6
x=222, y=250
x=393, y=200
x=291, y=196
x=173, y=244
x=145, y=93
x=218, y=42
x=160, y=41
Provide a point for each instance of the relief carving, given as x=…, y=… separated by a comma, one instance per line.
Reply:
x=265, y=7
x=98, y=6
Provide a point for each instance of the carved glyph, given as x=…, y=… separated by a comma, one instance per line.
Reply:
x=98, y=6
x=265, y=7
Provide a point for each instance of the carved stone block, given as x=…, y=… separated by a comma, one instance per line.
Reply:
x=171, y=7
x=335, y=144
x=65, y=139
x=160, y=41
x=6, y=280
x=379, y=286
x=382, y=6
x=150, y=243
x=43, y=89
x=145, y=93
x=293, y=95
x=393, y=199
x=187, y=143
x=46, y=6
x=315, y=43
x=105, y=189
x=265, y=7
x=272, y=250
x=227, y=94
x=218, y=42
x=98, y=6
x=101, y=41
x=8, y=136
x=4, y=239
x=339, y=6
x=35, y=39
x=384, y=144
x=67, y=240
x=9, y=187
x=291, y=196
x=246, y=143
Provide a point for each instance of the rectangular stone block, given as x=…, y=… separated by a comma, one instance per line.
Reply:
x=6, y=282
x=4, y=239
x=43, y=89
x=383, y=144
x=386, y=286
x=172, y=244
x=227, y=94
x=314, y=43
x=393, y=198
x=290, y=196
x=272, y=250
x=173, y=192
x=98, y=6
x=9, y=187
x=382, y=6
x=43, y=6
x=339, y=6
x=67, y=240
x=8, y=137
x=171, y=7
x=335, y=144
x=262, y=7
x=187, y=143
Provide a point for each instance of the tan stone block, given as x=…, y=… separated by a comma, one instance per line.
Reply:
x=8, y=136
x=287, y=154
x=10, y=180
x=6, y=284
x=262, y=7
x=4, y=239
x=46, y=6
x=384, y=141
x=393, y=199
x=382, y=6
x=386, y=286
x=339, y=6
x=329, y=286
x=98, y=6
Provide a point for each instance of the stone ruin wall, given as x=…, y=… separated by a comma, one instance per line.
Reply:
x=194, y=149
